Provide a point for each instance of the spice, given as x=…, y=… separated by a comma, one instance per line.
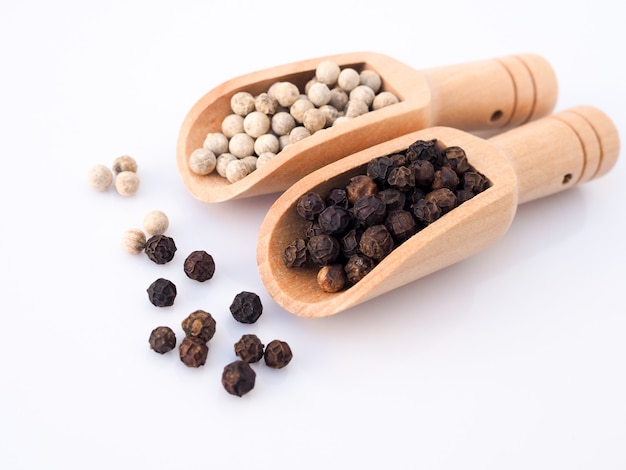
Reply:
x=162, y=293
x=193, y=351
x=162, y=339
x=401, y=225
x=241, y=145
x=199, y=266
x=242, y=103
x=277, y=354
x=331, y=278
x=376, y=242
x=249, y=348
x=133, y=241
x=359, y=186
x=155, y=222
x=100, y=177
x=124, y=163
x=127, y=183
x=199, y=324
x=160, y=249
x=357, y=267
x=238, y=378
x=370, y=210
x=295, y=254
x=246, y=307
x=216, y=142
x=310, y=205
x=334, y=220
x=202, y=161
x=256, y=124
x=323, y=249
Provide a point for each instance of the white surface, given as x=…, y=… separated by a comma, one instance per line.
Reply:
x=513, y=359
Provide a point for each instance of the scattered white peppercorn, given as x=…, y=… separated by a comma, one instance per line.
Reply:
x=314, y=120
x=216, y=142
x=133, y=241
x=127, y=183
x=202, y=161
x=237, y=170
x=222, y=162
x=100, y=177
x=384, y=99
x=363, y=93
x=266, y=143
x=155, y=222
x=327, y=72
x=371, y=79
x=241, y=145
x=319, y=94
x=242, y=103
x=256, y=124
x=124, y=163
x=286, y=93
x=348, y=79
x=298, y=133
x=266, y=104
x=232, y=124
x=299, y=107
x=282, y=123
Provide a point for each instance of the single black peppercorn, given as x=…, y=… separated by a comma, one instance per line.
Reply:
x=475, y=182
x=424, y=172
x=313, y=228
x=378, y=168
x=402, y=178
x=193, y=351
x=334, y=220
x=463, y=195
x=160, y=249
x=456, y=159
x=444, y=198
x=199, y=266
x=310, y=205
x=331, y=278
x=199, y=324
x=425, y=150
x=357, y=267
x=370, y=209
x=426, y=211
x=323, y=249
x=446, y=177
x=295, y=254
x=349, y=243
x=401, y=224
x=359, y=186
x=246, y=307
x=277, y=354
x=337, y=197
x=238, y=378
x=376, y=242
x=393, y=198
x=249, y=348
x=162, y=293
x=162, y=339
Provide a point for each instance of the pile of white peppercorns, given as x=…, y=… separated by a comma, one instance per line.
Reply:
x=123, y=174
x=261, y=126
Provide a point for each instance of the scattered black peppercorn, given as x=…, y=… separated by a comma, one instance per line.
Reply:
x=193, y=351
x=162, y=339
x=162, y=293
x=277, y=354
x=160, y=249
x=199, y=324
x=246, y=307
x=238, y=378
x=199, y=266
x=249, y=348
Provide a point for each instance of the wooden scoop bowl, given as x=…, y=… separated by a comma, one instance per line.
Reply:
x=537, y=159
x=488, y=95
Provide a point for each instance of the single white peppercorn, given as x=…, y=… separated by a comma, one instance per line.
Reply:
x=348, y=79
x=355, y=108
x=266, y=104
x=216, y=142
x=256, y=124
x=363, y=93
x=222, y=162
x=127, y=183
x=155, y=222
x=341, y=119
x=241, y=145
x=282, y=123
x=133, y=241
x=266, y=143
x=338, y=98
x=251, y=162
x=299, y=107
x=100, y=177
x=124, y=163
x=371, y=79
x=327, y=72
x=202, y=161
x=284, y=141
x=298, y=133
x=319, y=94
x=330, y=113
x=314, y=120
x=231, y=125
x=383, y=99
x=309, y=84
x=237, y=170
x=264, y=158
x=242, y=103
x=286, y=93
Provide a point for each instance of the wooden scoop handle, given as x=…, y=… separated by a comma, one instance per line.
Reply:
x=559, y=151
x=492, y=94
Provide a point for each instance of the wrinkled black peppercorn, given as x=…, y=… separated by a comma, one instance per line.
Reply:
x=338, y=197
x=162, y=293
x=310, y=205
x=370, y=209
x=193, y=351
x=331, y=278
x=323, y=249
x=199, y=266
x=277, y=354
x=334, y=220
x=357, y=267
x=238, y=378
x=376, y=242
x=160, y=249
x=401, y=224
x=246, y=307
x=199, y=324
x=249, y=348
x=295, y=254
x=162, y=339
x=359, y=186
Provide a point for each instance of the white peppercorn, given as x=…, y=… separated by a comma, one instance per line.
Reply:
x=319, y=94
x=124, y=163
x=256, y=124
x=341, y=119
x=237, y=170
x=327, y=72
x=309, y=84
x=338, y=98
x=266, y=104
x=286, y=93
x=284, y=141
x=127, y=183
x=100, y=177
x=241, y=145
x=266, y=143
x=298, y=133
x=155, y=222
x=216, y=142
x=314, y=120
x=371, y=79
x=264, y=158
x=363, y=93
x=133, y=241
x=202, y=161
x=251, y=162
x=383, y=99
x=282, y=123
x=330, y=114
x=355, y=108
x=348, y=79
x=231, y=125
x=242, y=103
x=222, y=162
x=299, y=107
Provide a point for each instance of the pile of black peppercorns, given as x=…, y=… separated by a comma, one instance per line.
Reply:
x=351, y=229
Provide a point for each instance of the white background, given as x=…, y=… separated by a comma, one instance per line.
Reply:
x=513, y=359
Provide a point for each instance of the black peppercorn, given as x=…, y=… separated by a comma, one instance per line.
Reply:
x=401, y=224
x=359, y=186
x=444, y=198
x=310, y=205
x=331, y=278
x=393, y=198
x=323, y=249
x=456, y=159
x=249, y=348
x=376, y=242
x=199, y=266
x=334, y=220
x=425, y=150
x=357, y=267
x=424, y=172
x=370, y=210
x=295, y=254
x=337, y=197
x=402, y=178
x=349, y=243
x=378, y=168
x=246, y=307
x=199, y=324
x=193, y=351
x=426, y=211
x=463, y=195
x=446, y=177
x=475, y=182
x=312, y=228
x=162, y=339
x=162, y=293
x=238, y=378
x=160, y=249
x=277, y=354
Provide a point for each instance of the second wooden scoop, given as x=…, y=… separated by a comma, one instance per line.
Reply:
x=489, y=95
x=537, y=159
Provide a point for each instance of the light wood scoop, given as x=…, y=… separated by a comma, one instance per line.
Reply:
x=489, y=95
x=537, y=159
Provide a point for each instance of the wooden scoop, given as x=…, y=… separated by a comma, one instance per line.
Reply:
x=488, y=95
x=535, y=160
